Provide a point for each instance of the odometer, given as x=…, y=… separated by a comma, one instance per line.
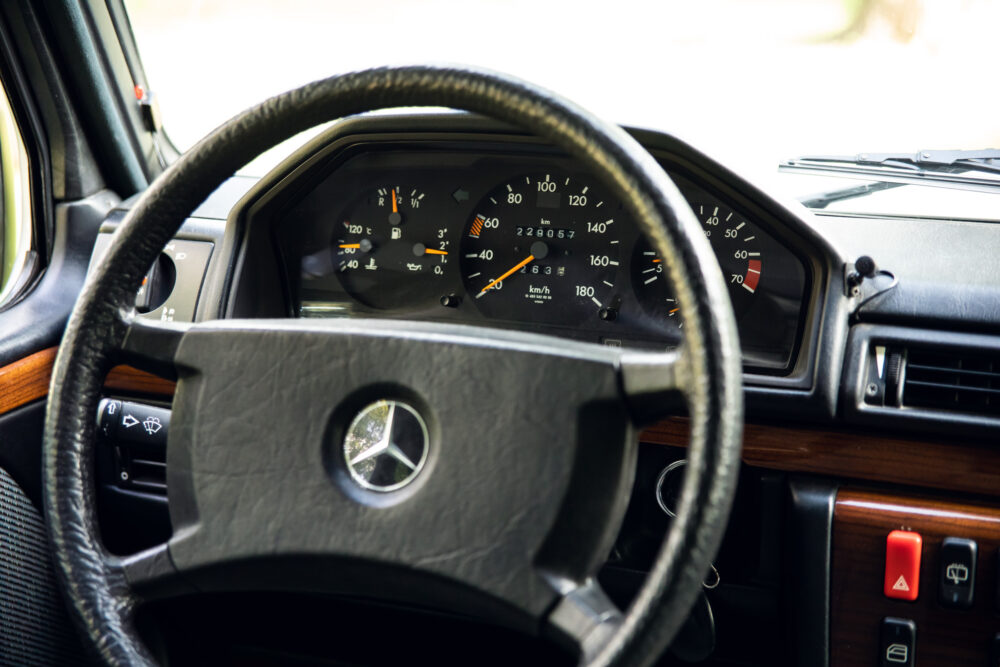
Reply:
x=543, y=248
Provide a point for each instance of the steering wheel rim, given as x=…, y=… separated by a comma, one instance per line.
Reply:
x=709, y=376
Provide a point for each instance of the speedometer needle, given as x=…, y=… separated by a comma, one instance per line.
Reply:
x=520, y=265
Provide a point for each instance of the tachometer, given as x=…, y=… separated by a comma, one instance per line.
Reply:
x=543, y=248
x=734, y=241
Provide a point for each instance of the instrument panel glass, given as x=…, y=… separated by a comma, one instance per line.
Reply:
x=521, y=241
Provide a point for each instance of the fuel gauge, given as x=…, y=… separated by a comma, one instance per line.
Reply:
x=386, y=250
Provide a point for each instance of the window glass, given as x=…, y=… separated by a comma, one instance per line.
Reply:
x=749, y=81
x=15, y=206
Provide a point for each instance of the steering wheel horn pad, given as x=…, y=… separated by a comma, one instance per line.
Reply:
x=531, y=441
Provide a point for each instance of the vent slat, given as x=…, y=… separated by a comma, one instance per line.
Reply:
x=957, y=371
x=951, y=387
x=956, y=380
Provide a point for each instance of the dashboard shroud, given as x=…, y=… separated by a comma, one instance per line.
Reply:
x=422, y=230
x=340, y=172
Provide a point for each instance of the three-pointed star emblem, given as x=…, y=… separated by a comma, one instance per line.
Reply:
x=386, y=445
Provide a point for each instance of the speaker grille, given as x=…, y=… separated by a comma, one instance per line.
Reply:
x=34, y=626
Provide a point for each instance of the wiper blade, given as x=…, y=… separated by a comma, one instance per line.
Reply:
x=943, y=169
x=824, y=199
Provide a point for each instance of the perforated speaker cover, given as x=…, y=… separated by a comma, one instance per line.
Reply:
x=34, y=625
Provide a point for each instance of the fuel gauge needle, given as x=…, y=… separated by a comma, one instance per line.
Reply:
x=520, y=265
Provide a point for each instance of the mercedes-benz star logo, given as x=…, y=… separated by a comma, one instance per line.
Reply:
x=386, y=446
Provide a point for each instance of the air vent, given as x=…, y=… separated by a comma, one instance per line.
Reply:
x=952, y=379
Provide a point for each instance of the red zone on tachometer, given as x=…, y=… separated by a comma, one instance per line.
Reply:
x=752, y=276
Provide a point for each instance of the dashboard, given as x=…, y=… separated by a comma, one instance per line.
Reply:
x=454, y=219
x=508, y=235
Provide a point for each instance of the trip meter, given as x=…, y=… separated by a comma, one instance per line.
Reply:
x=543, y=248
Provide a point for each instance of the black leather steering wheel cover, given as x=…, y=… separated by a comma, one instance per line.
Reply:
x=101, y=602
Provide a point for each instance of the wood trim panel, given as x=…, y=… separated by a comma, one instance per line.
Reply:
x=27, y=380
x=935, y=464
x=862, y=520
x=130, y=380
x=954, y=465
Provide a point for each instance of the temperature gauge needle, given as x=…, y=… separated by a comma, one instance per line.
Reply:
x=520, y=265
x=364, y=245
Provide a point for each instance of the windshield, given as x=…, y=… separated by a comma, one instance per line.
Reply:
x=749, y=82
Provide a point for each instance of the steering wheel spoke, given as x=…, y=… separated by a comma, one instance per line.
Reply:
x=655, y=383
x=151, y=574
x=151, y=346
x=584, y=618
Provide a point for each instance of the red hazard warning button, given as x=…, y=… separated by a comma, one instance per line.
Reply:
x=902, y=565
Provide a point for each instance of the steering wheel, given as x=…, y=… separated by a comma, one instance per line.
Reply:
x=511, y=508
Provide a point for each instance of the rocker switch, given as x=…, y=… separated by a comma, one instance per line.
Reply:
x=897, y=642
x=902, y=565
x=958, y=572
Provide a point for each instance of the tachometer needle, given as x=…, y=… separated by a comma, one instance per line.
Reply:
x=520, y=265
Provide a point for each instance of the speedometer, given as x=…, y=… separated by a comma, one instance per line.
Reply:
x=543, y=248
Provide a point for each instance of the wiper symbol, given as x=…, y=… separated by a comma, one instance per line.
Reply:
x=152, y=425
x=956, y=573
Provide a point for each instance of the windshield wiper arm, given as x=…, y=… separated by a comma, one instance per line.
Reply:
x=943, y=169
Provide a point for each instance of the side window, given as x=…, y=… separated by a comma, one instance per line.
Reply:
x=15, y=205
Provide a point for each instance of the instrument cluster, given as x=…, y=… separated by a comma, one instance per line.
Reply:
x=520, y=241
